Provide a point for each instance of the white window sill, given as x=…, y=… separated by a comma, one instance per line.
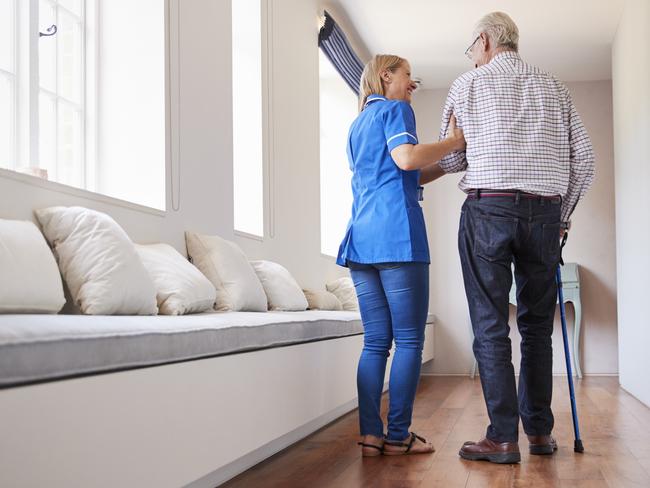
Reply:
x=78, y=192
x=254, y=237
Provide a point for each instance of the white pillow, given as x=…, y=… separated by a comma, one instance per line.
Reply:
x=344, y=290
x=99, y=262
x=30, y=281
x=322, y=300
x=282, y=290
x=181, y=288
x=228, y=269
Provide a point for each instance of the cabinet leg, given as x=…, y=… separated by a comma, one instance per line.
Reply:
x=577, y=307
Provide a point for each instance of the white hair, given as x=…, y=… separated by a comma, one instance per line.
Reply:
x=500, y=28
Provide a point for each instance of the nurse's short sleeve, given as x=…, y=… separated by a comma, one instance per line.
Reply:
x=399, y=125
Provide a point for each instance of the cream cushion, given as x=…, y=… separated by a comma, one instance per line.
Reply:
x=98, y=262
x=282, y=290
x=180, y=287
x=226, y=266
x=344, y=290
x=322, y=300
x=30, y=281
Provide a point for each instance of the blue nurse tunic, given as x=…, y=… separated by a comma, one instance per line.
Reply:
x=387, y=224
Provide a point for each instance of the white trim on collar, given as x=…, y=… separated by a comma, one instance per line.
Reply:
x=374, y=99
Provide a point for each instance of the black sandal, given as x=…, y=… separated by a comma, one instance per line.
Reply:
x=371, y=453
x=408, y=446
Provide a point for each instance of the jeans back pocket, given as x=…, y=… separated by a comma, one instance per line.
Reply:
x=493, y=236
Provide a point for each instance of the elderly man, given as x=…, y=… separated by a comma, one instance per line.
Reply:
x=528, y=161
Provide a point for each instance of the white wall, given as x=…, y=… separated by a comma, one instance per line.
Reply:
x=591, y=244
x=631, y=89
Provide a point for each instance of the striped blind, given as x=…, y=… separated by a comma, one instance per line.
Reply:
x=334, y=44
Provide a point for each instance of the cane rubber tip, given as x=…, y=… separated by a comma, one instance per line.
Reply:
x=577, y=446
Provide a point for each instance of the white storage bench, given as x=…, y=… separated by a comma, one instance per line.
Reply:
x=168, y=401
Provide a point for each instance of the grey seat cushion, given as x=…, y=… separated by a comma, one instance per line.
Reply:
x=36, y=348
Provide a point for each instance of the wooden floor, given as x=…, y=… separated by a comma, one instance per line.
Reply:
x=615, y=429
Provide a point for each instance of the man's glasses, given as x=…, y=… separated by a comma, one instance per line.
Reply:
x=468, y=51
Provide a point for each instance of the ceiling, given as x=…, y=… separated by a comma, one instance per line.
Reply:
x=570, y=38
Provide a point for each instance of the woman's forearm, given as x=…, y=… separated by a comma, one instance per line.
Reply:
x=411, y=157
x=430, y=173
x=426, y=154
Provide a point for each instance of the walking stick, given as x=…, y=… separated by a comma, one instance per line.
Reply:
x=577, y=445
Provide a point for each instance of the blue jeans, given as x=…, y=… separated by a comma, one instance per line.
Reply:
x=494, y=232
x=394, y=302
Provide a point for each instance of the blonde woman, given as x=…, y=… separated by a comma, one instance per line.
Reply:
x=385, y=248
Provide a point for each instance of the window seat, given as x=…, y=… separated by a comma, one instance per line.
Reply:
x=35, y=348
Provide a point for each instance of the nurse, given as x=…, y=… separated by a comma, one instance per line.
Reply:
x=385, y=247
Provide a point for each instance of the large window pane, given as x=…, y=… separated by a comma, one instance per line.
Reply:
x=248, y=167
x=47, y=135
x=7, y=139
x=7, y=46
x=70, y=57
x=69, y=163
x=61, y=100
x=131, y=114
x=7, y=85
x=338, y=108
x=74, y=6
x=47, y=47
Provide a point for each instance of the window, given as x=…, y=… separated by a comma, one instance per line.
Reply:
x=81, y=112
x=338, y=108
x=248, y=156
x=7, y=83
x=61, y=106
x=131, y=135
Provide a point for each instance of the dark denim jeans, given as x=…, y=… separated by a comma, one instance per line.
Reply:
x=494, y=232
x=394, y=302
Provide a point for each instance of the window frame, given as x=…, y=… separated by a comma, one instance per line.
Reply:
x=26, y=89
x=12, y=77
x=345, y=88
x=79, y=109
x=267, y=139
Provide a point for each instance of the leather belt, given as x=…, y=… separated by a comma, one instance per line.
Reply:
x=478, y=194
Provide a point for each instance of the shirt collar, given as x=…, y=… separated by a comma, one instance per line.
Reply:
x=373, y=97
x=502, y=56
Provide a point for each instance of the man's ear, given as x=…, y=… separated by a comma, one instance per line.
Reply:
x=485, y=40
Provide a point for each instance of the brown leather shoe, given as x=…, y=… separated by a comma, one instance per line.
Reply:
x=487, y=450
x=542, y=444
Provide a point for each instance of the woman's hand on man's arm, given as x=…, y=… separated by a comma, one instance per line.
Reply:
x=410, y=157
